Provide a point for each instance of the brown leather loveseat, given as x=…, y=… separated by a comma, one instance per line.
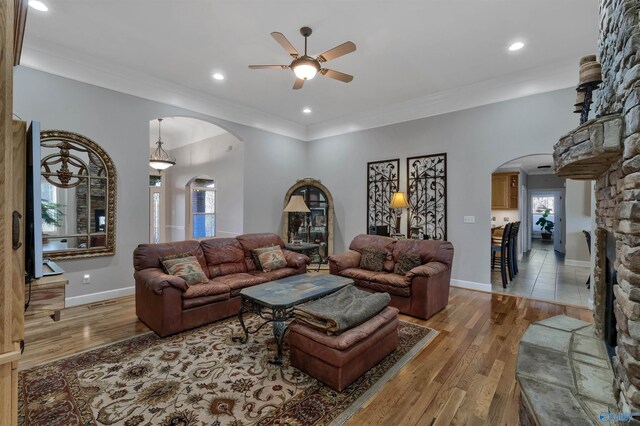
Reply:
x=421, y=292
x=167, y=305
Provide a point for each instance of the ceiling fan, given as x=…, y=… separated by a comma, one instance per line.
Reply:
x=306, y=67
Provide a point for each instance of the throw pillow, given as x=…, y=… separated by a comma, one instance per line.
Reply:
x=272, y=260
x=406, y=262
x=373, y=259
x=185, y=266
x=255, y=254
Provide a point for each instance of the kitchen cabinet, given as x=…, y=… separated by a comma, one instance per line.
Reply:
x=504, y=191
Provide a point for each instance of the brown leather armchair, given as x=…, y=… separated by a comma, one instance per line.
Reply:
x=167, y=305
x=421, y=292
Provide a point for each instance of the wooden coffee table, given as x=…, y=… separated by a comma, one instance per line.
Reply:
x=274, y=302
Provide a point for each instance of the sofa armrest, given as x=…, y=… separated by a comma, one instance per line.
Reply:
x=295, y=260
x=427, y=270
x=157, y=280
x=339, y=262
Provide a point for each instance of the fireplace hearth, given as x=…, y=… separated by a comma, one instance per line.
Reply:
x=607, y=150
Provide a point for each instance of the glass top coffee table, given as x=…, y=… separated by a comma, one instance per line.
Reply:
x=274, y=302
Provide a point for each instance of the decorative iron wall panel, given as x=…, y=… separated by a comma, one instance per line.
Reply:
x=427, y=194
x=382, y=181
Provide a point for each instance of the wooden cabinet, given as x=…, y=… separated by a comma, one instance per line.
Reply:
x=504, y=191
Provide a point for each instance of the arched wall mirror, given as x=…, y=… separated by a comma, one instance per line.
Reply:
x=316, y=226
x=78, y=182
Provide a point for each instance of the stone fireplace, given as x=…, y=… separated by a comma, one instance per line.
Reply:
x=607, y=150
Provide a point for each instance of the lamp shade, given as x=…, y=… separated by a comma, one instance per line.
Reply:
x=297, y=205
x=399, y=201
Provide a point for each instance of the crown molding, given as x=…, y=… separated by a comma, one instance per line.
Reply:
x=55, y=59
x=517, y=85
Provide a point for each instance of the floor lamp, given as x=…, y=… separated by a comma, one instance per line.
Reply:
x=296, y=205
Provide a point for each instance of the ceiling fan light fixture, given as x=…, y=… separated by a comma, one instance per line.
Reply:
x=305, y=68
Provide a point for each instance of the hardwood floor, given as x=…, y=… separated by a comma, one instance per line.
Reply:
x=465, y=376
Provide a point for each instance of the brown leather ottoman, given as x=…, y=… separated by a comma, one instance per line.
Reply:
x=339, y=360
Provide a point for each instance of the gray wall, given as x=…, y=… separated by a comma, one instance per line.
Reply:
x=210, y=157
x=476, y=141
x=545, y=182
x=120, y=124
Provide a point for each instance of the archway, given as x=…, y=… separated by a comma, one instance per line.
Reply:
x=526, y=191
x=200, y=149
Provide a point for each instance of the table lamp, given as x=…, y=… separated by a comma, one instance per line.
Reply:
x=398, y=202
x=296, y=205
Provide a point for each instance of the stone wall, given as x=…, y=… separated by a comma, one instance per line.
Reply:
x=618, y=189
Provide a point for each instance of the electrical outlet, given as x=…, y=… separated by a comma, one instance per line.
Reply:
x=86, y=279
x=493, y=218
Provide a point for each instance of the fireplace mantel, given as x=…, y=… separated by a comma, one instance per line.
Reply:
x=588, y=151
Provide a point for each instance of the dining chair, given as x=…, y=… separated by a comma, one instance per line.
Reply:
x=503, y=249
x=587, y=235
x=513, y=249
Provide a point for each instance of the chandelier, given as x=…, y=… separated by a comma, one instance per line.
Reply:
x=160, y=159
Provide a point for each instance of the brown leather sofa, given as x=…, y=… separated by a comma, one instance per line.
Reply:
x=421, y=292
x=165, y=303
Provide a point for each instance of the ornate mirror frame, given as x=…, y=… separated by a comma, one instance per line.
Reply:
x=312, y=183
x=66, y=142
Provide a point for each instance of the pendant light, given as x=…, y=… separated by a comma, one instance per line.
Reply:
x=160, y=159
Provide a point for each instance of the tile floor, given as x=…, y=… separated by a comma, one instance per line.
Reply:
x=543, y=275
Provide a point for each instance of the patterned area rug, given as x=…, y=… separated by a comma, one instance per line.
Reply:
x=199, y=377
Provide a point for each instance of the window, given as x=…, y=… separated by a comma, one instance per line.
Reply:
x=539, y=204
x=203, y=208
x=51, y=215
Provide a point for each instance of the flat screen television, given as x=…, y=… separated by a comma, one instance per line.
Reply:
x=33, y=219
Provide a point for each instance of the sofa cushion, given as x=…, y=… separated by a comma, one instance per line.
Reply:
x=275, y=275
x=389, y=278
x=372, y=259
x=251, y=242
x=384, y=288
x=147, y=256
x=429, y=250
x=204, y=300
x=358, y=274
x=223, y=256
x=184, y=266
x=406, y=262
x=211, y=288
x=236, y=282
x=386, y=244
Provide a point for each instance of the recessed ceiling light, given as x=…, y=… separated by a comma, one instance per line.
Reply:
x=38, y=5
x=218, y=76
x=306, y=110
x=516, y=46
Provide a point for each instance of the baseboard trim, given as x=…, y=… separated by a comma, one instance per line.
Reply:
x=471, y=285
x=574, y=262
x=98, y=297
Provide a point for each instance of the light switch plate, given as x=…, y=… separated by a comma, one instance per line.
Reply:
x=469, y=219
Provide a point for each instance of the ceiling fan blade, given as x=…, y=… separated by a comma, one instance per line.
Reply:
x=336, y=75
x=298, y=84
x=336, y=52
x=268, y=67
x=282, y=40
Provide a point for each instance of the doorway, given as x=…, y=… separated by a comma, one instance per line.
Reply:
x=553, y=260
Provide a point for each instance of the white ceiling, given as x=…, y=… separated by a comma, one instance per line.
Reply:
x=413, y=58
x=530, y=164
x=181, y=131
